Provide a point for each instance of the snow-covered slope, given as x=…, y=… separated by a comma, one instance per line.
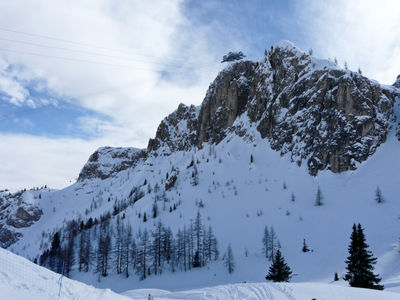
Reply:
x=243, y=160
x=268, y=291
x=20, y=279
x=239, y=200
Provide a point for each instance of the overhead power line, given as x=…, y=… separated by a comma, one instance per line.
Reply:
x=77, y=43
x=73, y=59
x=100, y=63
x=83, y=51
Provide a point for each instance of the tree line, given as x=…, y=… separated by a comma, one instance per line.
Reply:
x=105, y=247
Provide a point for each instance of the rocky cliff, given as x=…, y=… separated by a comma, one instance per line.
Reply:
x=17, y=210
x=310, y=109
x=106, y=161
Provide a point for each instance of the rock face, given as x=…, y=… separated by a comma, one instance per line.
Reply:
x=17, y=211
x=8, y=237
x=307, y=108
x=106, y=161
x=24, y=218
x=226, y=99
x=178, y=131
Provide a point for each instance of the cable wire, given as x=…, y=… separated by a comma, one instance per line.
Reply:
x=82, y=51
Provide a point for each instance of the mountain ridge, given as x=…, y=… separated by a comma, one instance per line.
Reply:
x=241, y=160
x=319, y=114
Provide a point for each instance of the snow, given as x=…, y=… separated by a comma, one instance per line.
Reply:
x=288, y=45
x=315, y=63
x=21, y=279
x=234, y=191
x=348, y=198
x=267, y=291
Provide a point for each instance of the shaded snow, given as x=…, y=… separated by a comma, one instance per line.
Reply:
x=268, y=291
x=20, y=279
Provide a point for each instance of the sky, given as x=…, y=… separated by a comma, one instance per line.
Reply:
x=78, y=75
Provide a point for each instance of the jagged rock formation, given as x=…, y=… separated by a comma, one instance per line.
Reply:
x=308, y=108
x=24, y=217
x=106, y=161
x=17, y=210
x=178, y=131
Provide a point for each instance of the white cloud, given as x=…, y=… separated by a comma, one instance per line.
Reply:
x=364, y=33
x=127, y=84
x=28, y=161
x=12, y=90
x=130, y=89
x=124, y=84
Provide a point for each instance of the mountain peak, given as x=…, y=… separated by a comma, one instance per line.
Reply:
x=288, y=46
x=308, y=108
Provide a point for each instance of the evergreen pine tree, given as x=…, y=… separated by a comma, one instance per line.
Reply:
x=195, y=176
x=272, y=244
x=378, y=195
x=55, y=254
x=228, y=261
x=336, y=278
x=360, y=262
x=265, y=241
x=305, y=246
x=155, y=209
x=292, y=197
x=318, y=198
x=279, y=271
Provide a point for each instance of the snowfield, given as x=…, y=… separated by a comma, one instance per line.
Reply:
x=20, y=279
x=233, y=196
x=268, y=291
x=239, y=186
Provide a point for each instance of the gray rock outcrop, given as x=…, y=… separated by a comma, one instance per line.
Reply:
x=310, y=109
x=106, y=161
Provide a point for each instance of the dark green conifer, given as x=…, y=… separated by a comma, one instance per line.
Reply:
x=360, y=262
x=279, y=271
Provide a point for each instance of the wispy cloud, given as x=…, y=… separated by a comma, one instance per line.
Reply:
x=131, y=61
x=127, y=64
x=363, y=33
x=120, y=77
x=29, y=161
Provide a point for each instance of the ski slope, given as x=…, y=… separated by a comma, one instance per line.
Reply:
x=267, y=291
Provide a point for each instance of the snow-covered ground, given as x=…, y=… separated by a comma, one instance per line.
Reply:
x=21, y=279
x=240, y=198
x=234, y=191
x=268, y=291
